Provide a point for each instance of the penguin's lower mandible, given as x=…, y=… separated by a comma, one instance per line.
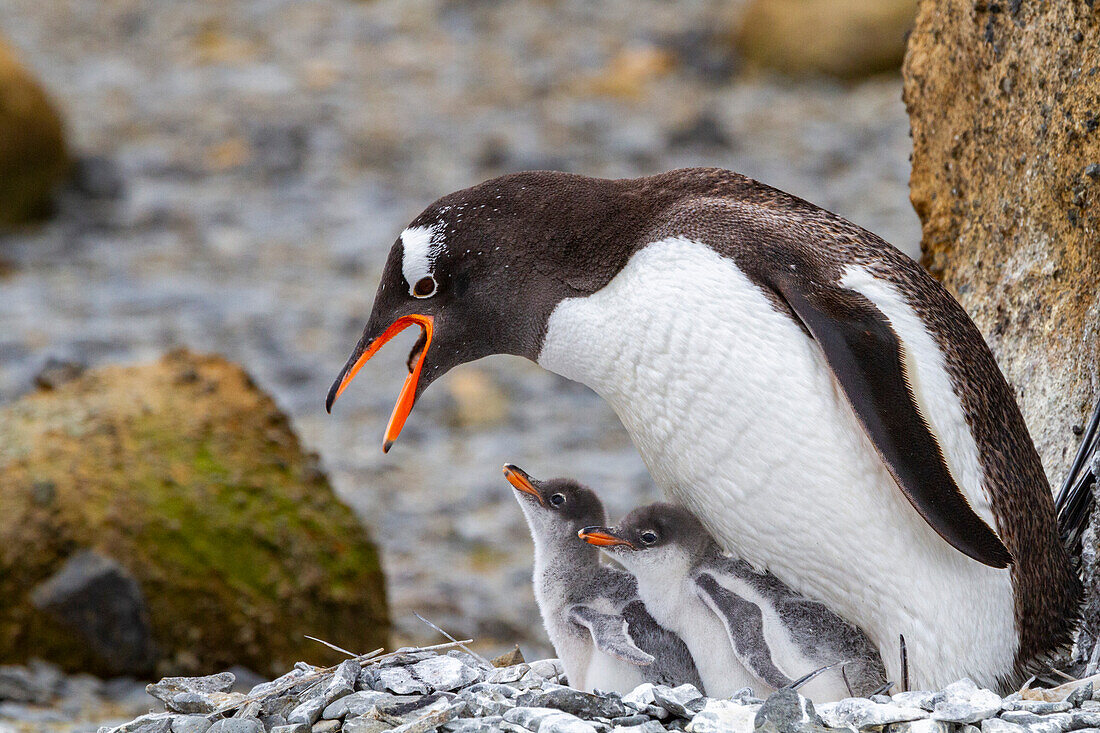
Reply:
x=837, y=416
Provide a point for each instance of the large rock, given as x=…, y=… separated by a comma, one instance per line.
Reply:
x=1004, y=100
x=165, y=516
x=33, y=157
x=845, y=38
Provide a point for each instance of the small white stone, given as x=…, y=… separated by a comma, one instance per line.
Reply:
x=860, y=712
x=640, y=696
x=964, y=702
x=724, y=716
x=445, y=673
x=400, y=680
x=547, y=720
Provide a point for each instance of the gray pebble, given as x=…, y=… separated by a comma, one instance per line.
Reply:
x=307, y=712
x=999, y=725
x=684, y=701
x=545, y=720
x=916, y=699
x=152, y=723
x=508, y=675
x=1081, y=694
x=480, y=724
x=574, y=702
x=862, y=713
x=169, y=686
x=1085, y=719
x=272, y=721
x=1020, y=717
x=649, y=726
x=1056, y=723
x=190, y=724
x=628, y=721
x=290, y=728
x=965, y=702
x=400, y=680
x=485, y=702
x=237, y=725
x=357, y=703
x=326, y=726
x=364, y=725
x=445, y=673
x=343, y=680
x=785, y=711
x=430, y=721
x=547, y=669
x=926, y=725
x=1039, y=707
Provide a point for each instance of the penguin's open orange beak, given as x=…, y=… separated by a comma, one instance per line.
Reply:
x=407, y=396
x=521, y=481
x=604, y=537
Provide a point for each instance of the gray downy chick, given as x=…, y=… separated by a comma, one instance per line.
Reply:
x=598, y=625
x=743, y=627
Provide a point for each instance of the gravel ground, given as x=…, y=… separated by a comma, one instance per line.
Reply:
x=249, y=164
x=418, y=691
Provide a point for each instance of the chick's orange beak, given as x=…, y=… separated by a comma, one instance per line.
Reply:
x=603, y=537
x=521, y=481
x=407, y=396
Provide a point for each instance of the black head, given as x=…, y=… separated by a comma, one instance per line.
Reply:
x=481, y=270
x=562, y=502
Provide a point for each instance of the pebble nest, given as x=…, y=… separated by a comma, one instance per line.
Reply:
x=420, y=690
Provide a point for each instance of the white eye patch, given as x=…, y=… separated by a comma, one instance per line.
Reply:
x=418, y=255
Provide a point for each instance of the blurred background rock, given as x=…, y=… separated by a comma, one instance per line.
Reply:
x=163, y=518
x=239, y=171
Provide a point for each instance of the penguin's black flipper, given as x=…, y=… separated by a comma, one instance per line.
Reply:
x=1074, y=502
x=609, y=634
x=867, y=359
x=744, y=622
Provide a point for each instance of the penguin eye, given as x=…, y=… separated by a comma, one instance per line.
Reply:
x=648, y=537
x=425, y=287
x=557, y=499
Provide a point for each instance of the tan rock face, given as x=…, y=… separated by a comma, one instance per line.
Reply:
x=33, y=157
x=187, y=476
x=1004, y=101
x=845, y=38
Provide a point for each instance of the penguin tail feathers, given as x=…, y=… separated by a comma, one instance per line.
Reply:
x=1075, y=500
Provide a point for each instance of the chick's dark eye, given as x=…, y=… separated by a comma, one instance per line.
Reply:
x=557, y=499
x=424, y=287
x=649, y=537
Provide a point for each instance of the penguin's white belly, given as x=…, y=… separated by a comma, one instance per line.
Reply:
x=737, y=416
x=679, y=609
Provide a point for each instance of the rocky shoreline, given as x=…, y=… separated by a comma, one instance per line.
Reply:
x=447, y=688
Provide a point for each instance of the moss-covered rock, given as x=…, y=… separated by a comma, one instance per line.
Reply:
x=33, y=156
x=843, y=38
x=189, y=477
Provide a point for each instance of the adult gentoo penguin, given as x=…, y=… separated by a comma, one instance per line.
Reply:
x=821, y=403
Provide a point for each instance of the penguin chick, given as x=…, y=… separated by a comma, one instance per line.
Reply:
x=598, y=625
x=743, y=627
